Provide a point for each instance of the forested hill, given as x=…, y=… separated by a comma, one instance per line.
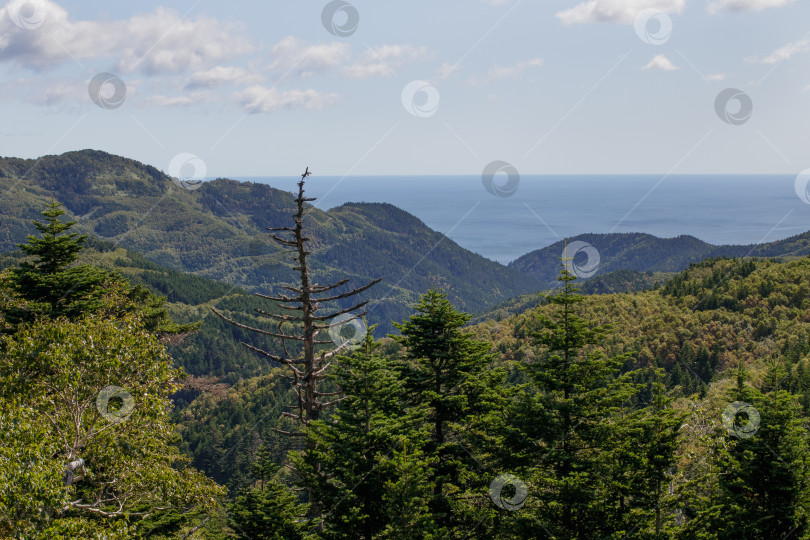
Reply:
x=647, y=253
x=697, y=328
x=218, y=231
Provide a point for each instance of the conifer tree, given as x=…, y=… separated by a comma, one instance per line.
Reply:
x=761, y=470
x=345, y=469
x=308, y=362
x=267, y=511
x=650, y=453
x=406, y=498
x=48, y=285
x=581, y=443
x=442, y=372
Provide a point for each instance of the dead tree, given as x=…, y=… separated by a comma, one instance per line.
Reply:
x=308, y=366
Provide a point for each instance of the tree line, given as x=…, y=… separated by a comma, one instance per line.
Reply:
x=427, y=434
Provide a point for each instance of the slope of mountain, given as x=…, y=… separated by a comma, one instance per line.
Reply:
x=218, y=232
x=647, y=253
x=699, y=324
x=620, y=281
x=697, y=327
x=214, y=350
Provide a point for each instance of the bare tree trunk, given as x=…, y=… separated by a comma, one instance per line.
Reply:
x=308, y=367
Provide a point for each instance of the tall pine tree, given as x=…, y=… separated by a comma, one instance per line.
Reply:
x=346, y=468
x=442, y=372
x=581, y=443
x=47, y=284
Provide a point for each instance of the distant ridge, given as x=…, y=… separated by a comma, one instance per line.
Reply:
x=647, y=253
x=218, y=231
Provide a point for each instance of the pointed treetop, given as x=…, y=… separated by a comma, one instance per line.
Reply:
x=55, y=249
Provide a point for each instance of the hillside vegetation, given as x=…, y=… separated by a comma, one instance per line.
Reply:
x=703, y=328
x=218, y=231
x=647, y=253
x=676, y=409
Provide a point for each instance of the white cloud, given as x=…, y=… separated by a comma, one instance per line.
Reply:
x=661, y=62
x=58, y=92
x=513, y=72
x=615, y=11
x=176, y=101
x=716, y=77
x=447, y=69
x=220, y=76
x=159, y=42
x=782, y=53
x=259, y=99
x=745, y=5
x=293, y=54
x=382, y=60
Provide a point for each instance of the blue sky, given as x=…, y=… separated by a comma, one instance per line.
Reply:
x=441, y=87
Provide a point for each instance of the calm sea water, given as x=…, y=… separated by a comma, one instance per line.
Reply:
x=719, y=209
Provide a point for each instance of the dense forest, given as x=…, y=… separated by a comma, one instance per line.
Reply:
x=675, y=412
x=217, y=231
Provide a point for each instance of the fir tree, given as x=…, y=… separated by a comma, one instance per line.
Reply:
x=344, y=468
x=650, y=455
x=48, y=285
x=407, y=495
x=581, y=446
x=761, y=469
x=267, y=511
x=442, y=373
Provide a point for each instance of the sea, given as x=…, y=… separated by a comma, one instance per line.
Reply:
x=505, y=217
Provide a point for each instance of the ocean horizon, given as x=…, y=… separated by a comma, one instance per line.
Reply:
x=502, y=224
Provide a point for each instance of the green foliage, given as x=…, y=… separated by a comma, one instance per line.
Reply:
x=46, y=285
x=29, y=485
x=223, y=430
x=347, y=465
x=268, y=511
x=99, y=391
x=442, y=372
x=407, y=495
x=593, y=464
x=758, y=484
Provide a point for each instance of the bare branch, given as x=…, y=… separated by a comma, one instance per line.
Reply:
x=341, y=312
x=319, y=289
x=277, y=298
x=291, y=318
x=352, y=292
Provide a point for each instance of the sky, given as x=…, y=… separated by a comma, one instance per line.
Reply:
x=238, y=88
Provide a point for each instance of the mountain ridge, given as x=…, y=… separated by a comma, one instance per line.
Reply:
x=644, y=252
x=218, y=230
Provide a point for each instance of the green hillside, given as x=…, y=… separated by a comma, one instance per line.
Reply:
x=622, y=397
x=647, y=253
x=698, y=328
x=218, y=232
